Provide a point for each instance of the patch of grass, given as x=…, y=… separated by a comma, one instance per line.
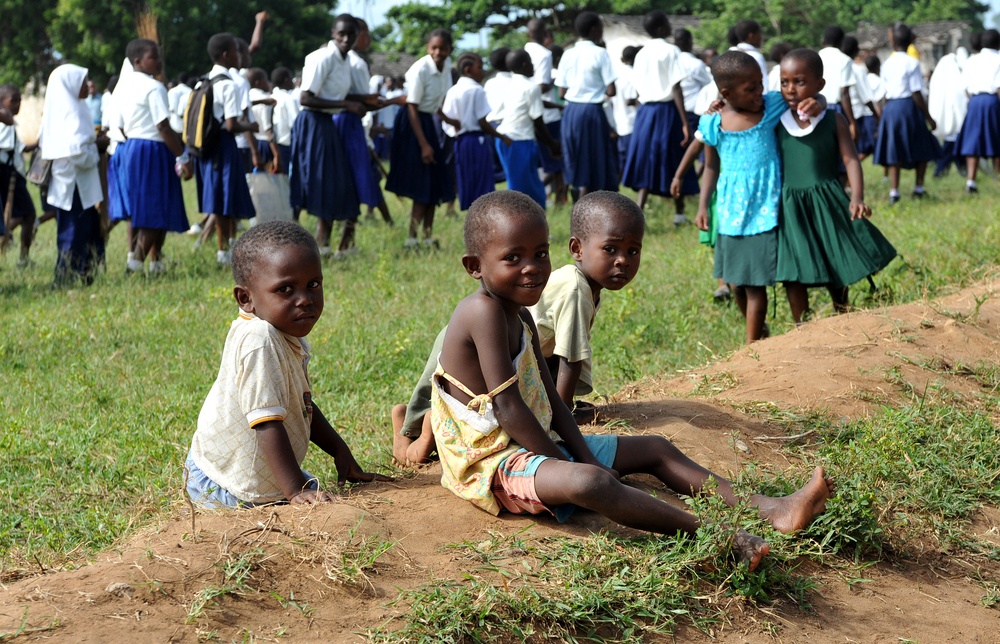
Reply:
x=236, y=574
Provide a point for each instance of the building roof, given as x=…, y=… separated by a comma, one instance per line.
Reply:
x=873, y=37
x=389, y=63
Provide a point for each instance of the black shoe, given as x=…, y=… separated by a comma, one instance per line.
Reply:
x=919, y=195
x=893, y=200
x=971, y=190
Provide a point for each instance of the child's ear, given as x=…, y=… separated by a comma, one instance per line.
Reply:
x=472, y=266
x=822, y=83
x=576, y=248
x=243, y=298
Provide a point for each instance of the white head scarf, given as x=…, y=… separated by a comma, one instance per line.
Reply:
x=67, y=126
x=113, y=114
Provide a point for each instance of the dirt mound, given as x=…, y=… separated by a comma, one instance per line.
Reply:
x=307, y=574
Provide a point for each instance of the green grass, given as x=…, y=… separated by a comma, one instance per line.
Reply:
x=101, y=387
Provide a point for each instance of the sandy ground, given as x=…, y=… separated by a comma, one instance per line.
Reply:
x=847, y=366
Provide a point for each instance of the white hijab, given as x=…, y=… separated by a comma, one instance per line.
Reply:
x=67, y=127
x=115, y=122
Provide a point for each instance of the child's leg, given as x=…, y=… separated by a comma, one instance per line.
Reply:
x=428, y=221
x=323, y=230
x=383, y=208
x=756, y=312
x=798, y=299
x=27, y=234
x=416, y=218
x=642, y=197
x=657, y=456
x=921, y=173
x=971, y=167
x=893, y=178
x=347, y=238
x=839, y=295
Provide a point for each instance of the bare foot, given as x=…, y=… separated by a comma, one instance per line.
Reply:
x=399, y=442
x=750, y=548
x=796, y=511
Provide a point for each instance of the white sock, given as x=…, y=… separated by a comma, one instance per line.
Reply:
x=130, y=256
x=918, y=190
x=970, y=183
x=894, y=193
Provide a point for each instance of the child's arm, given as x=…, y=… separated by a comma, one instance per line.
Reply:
x=258, y=31
x=692, y=153
x=569, y=376
x=235, y=125
x=543, y=135
x=845, y=104
x=679, y=104
x=426, y=151
x=323, y=435
x=918, y=98
x=310, y=100
x=487, y=127
x=709, y=179
x=173, y=142
x=273, y=440
x=855, y=177
x=275, y=152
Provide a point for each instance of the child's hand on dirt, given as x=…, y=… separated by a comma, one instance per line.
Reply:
x=348, y=471
x=311, y=497
x=860, y=210
x=701, y=220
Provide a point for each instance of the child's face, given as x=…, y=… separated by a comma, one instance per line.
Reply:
x=231, y=56
x=514, y=264
x=798, y=82
x=611, y=253
x=84, y=92
x=344, y=36
x=149, y=62
x=747, y=94
x=476, y=72
x=364, y=41
x=439, y=50
x=12, y=103
x=286, y=289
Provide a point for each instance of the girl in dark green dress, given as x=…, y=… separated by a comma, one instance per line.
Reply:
x=824, y=237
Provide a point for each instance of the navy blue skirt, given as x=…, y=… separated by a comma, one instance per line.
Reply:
x=80, y=243
x=622, y=147
x=222, y=184
x=117, y=210
x=23, y=207
x=867, y=131
x=588, y=152
x=655, y=151
x=520, y=162
x=321, y=180
x=903, y=137
x=352, y=134
x=550, y=164
x=980, y=134
x=264, y=154
x=409, y=176
x=149, y=186
x=473, y=167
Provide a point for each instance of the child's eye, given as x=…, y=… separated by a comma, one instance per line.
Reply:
x=633, y=251
x=285, y=289
x=314, y=284
x=512, y=258
x=543, y=254
x=609, y=249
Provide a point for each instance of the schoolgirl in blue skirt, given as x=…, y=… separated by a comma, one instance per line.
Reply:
x=221, y=182
x=586, y=77
x=419, y=167
x=904, y=138
x=148, y=185
x=661, y=126
x=980, y=133
x=321, y=181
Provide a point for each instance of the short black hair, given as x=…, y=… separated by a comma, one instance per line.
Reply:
x=599, y=206
x=746, y=28
x=656, y=22
x=990, y=39
x=850, y=46
x=444, y=34
x=731, y=37
x=256, y=74
x=537, y=29
x=778, y=51
x=491, y=207
x=347, y=19
x=811, y=59
x=585, y=23
x=683, y=39
x=731, y=67
x=135, y=49
x=516, y=59
x=7, y=90
x=557, y=54
x=242, y=44
x=279, y=75
x=263, y=239
x=498, y=58
x=873, y=63
x=467, y=61
x=628, y=54
x=220, y=44
x=112, y=82
x=902, y=36
x=976, y=41
x=833, y=36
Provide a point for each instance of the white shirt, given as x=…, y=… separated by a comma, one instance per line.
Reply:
x=774, y=79
x=11, y=144
x=541, y=60
x=878, y=89
x=901, y=76
x=360, y=76
x=465, y=101
x=495, y=88
x=426, y=85
x=522, y=104
x=327, y=75
x=696, y=77
x=283, y=117
x=387, y=115
x=225, y=100
x=981, y=72
x=622, y=112
x=838, y=72
x=243, y=96
x=262, y=114
x=747, y=48
x=586, y=72
x=861, y=91
x=141, y=106
x=656, y=70
x=77, y=172
x=177, y=100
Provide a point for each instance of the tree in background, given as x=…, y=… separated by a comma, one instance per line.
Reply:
x=25, y=48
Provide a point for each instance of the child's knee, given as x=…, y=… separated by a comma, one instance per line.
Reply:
x=589, y=483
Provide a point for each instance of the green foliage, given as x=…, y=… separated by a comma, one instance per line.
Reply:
x=25, y=47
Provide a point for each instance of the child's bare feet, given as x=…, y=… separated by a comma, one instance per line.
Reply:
x=750, y=548
x=399, y=442
x=407, y=451
x=796, y=511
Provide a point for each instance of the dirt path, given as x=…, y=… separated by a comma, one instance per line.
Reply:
x=147, y=590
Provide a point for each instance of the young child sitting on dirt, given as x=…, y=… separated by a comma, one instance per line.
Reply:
x=506, y=438
x=564, y=315
x=259, y=417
